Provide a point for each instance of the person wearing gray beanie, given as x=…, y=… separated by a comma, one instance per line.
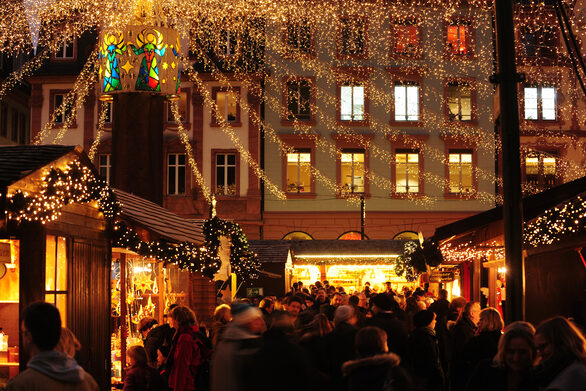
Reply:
x=344, y=313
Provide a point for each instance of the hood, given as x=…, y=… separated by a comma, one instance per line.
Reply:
x=236, y=332
x=57, y=366
x=390, y=359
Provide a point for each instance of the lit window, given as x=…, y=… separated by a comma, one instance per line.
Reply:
x=540, y=171
x=352, y=103
x=407, y=172
x=66, y=51
x=540, y=103
x=105, y=167
x=352, y=37
x=56, y=273
x=181, y=108
x=299, y=37
x=299, y=171
x=459, y=101
x=228, y=45
x=406, y=101
x=226, y=174
x=352, y=171
x=460, y=172
x=299, y=100
x=227, y=103
x=458, y=39
x=61, y=114
x=176, y=173
x=406, y=39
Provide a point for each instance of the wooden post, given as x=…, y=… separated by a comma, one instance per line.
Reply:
x=161, y=298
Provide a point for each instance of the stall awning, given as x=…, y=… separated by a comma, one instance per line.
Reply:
x=347, y=251
x=533, y=206
x=159, y=220
x=270, y=251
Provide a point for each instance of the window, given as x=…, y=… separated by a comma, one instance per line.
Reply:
x=66, y=51
x=406, y=171
x=225, y=174
x=540, y=103
x=406, y=101
x=352, y=38
x=298, y=37
x=352, y=170
x=56, y=273
x=540, y=171
x=352, y=235
x=181, y=107
x=458, y=39
x=460, y=172
x=228, y=105
x=406, y=39
x=105, y=166
x=228, y=43
x=175, y=173
x=298, y=96
x=352, y=103
x=61, y=114
x=297, y=235
x=539, y=42
x=299, y=171
x=459, y=101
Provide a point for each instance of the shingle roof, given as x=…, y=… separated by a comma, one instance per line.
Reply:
x=160, y=220
x=18, y=161
x=270, y=250
x=380, y=247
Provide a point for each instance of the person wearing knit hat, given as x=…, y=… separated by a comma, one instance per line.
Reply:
x=344, y=313
x=243, y=314
x=424, y=354
x=340, y=344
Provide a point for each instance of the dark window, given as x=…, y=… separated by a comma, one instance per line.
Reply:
x=298, y=100
x=226, y=174
x=176, y=173
x=299, y=36
x=352, y=37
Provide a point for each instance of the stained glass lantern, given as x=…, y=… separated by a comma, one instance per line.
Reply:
x=143, y=58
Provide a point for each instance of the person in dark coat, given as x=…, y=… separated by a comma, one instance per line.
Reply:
x=313, y=342
x=159, y=335
x=484, y=345
x=340, y=344
x=424, y=355
x=460, y=334
x=140, y=376
x=441, y=307
x=375, y=368
x=330, y=308
x=279, y=357
x=512, y=367
x=384, y=309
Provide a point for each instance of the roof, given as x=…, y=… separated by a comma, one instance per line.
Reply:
x=533, y=206
x=355, y=248
x=269, y=251
x=159, y=220
x=18, y=161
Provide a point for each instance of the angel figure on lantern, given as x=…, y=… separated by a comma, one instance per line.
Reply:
x=112, y=46
x=149, y=42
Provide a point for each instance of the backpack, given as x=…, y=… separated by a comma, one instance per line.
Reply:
x=201, y=371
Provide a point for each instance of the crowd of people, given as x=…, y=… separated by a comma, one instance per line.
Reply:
x=320, y=338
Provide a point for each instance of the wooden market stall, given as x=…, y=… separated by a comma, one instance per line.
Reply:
x=65, y=259
x=555, y=270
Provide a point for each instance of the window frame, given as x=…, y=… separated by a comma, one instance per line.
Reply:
x=186, y=122
x=107, y=166
x=453, y=143
x=340, y=55
x=52, y=94
x=352, y=76
x=404, y=143
x=354, y=142
x=460, y=21
x=417, y=54
x=413, y=75
x=526, y=19
x=294, y=52
x=57, y=292
x=473, y=101
x=541, y=176
x=225, y=56
x=214, y=153
x=238, y=122
x=285, y=121
x=177, y=176
x=540, y=121
x=298, y=142
x=63, y=48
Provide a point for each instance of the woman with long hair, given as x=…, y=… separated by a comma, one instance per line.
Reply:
x=140, y=376
x=561, y=351
x=484, y=345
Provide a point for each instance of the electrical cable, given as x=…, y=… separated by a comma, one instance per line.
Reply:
x=570, y=52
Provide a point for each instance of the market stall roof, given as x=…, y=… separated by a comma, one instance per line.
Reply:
x=18, y=161
x=320, y=249
x=270, y=251
x=533, y=206
x=159, y=220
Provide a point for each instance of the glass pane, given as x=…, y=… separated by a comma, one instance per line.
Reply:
x=292, y=176
x=413, y=158
x=61, y=304
x=466, y=158
x=220, y=159
x=171, y=179
x=463, y=49
x=231, y=159
x=305, y=157
x=50, y=298
x=466, y=104
x=220, y=180
x=548, y=103
x=172, y=159
x=181, y=180
x=305, y=177
x=346, y=175
x=359, y=157
x=532, y=165
x=221, y=103
x=549, y=166
x=411, y=39
x=50, y=261
x=304, y=102
x=531, y=103
x=400, y=103
x=232, y=113
x=454, y=178
x=292, y=100
x=61, y=263
x=413, y=103
x=453, y=102
x=467, y=177
x=454, y=158
x=181, y=159
x=401, y=173
x=400, y=39
x=345, y=103
x=358, y=103
x=231, y=180
x=453, y=39
x=69, y=51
